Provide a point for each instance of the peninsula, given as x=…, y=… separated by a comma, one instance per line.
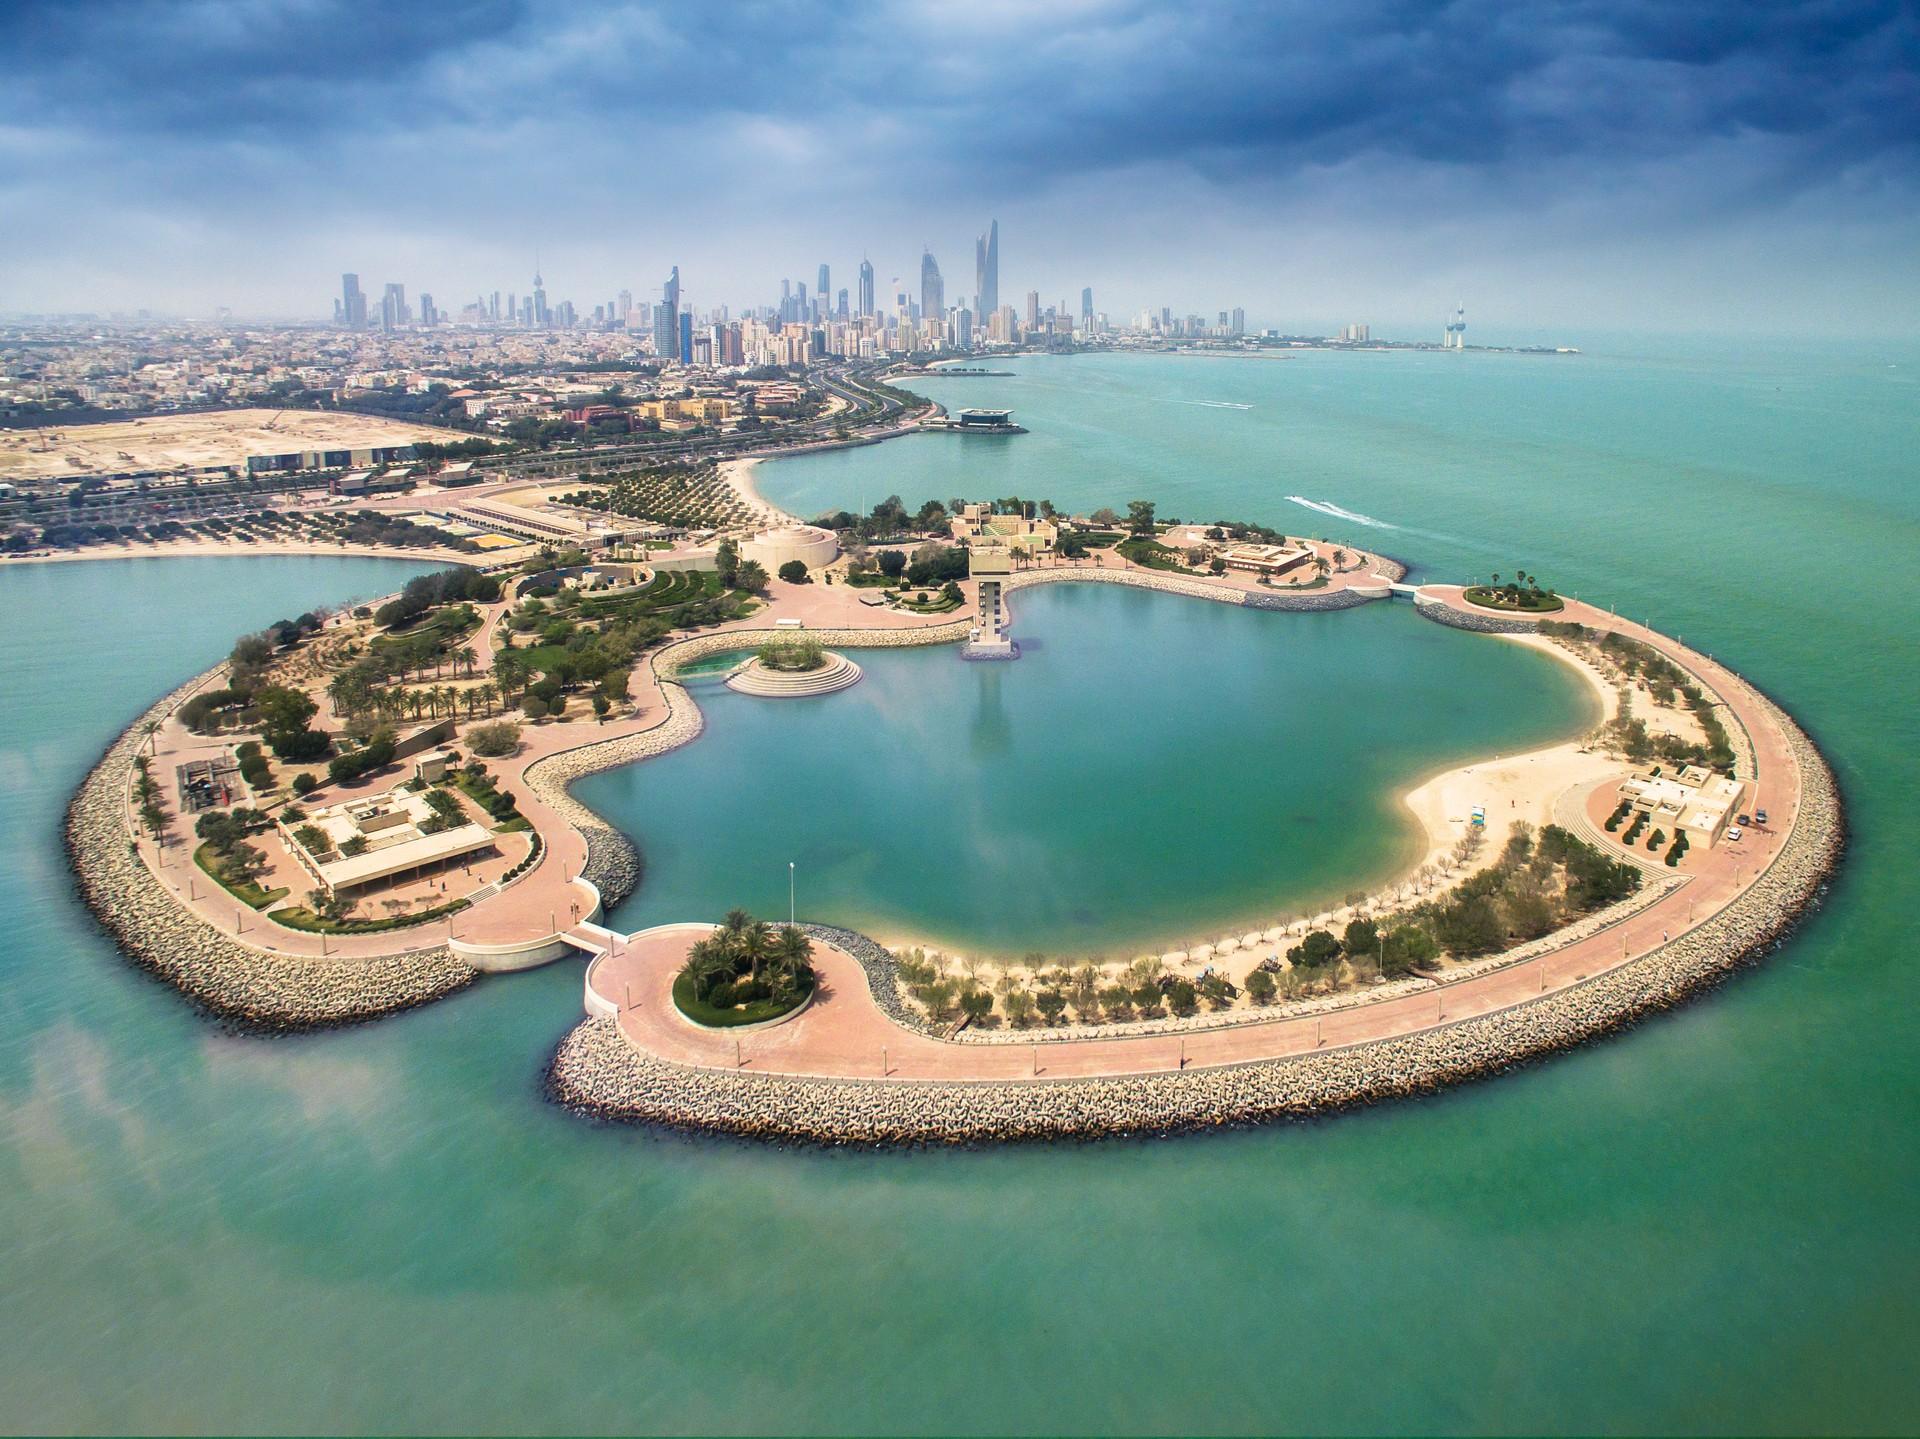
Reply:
x=362, y=811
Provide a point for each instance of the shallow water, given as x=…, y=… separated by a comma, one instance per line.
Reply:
x=1706, y=1223
x=1153, y=771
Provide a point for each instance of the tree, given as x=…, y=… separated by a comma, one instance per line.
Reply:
x=1140, y=517
x=1407, y=949
x=976, y=1004
x=1104, y=516
x=1051, y=1003
x=1182, y=996
x=794, y=572
x=893, y=563
x=1217, y=565
x=1316, y=949
x=751, y=576
x=1362, y=936
x=1260, y=986
x=726, y=559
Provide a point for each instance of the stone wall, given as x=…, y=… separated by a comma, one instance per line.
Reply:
x=1480, y=624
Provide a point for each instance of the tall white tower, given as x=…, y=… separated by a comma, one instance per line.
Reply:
x=1456, y=336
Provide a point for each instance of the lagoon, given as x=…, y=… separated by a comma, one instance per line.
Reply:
x=1154, y=770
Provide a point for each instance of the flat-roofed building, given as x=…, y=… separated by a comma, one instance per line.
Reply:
x=1692, y=801
x=392, y=834
x=1265, y=559
x=978, y=526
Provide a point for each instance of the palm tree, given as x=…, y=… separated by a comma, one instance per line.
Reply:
x=793, y=952
x=755, y=945
x=707, y=963
x=450, y=699
x=466, y=659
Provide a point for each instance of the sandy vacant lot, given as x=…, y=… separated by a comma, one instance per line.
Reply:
x=225, y=437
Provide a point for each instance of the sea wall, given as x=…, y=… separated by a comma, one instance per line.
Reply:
x=248, y=987
x=1446, y=614
x=595, y=1071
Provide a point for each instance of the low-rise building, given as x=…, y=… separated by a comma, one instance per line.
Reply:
x=369, y=838
x=978, y=526
x=1693, y=801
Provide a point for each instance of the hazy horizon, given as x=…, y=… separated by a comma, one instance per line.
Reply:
x=1573, y=168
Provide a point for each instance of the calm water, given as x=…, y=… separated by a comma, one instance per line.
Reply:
x=1704, y=1224
x=1150, y=772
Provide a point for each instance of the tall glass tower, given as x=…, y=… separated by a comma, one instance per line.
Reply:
x=986, y=270
x=933, y=290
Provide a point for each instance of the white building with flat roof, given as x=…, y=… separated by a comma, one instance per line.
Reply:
x=390, y=834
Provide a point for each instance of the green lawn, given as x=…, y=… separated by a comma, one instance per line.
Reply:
x=758, y=1012
x=249, y=893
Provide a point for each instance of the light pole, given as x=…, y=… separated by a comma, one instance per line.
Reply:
x=790, y=909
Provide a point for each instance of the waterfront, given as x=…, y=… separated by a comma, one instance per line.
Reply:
x=1155, y=770
x=1704, y=1224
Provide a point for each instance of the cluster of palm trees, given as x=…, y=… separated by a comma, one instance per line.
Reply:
x=747, y=959
x=352, y=697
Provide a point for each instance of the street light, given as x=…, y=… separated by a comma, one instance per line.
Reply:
x=790, y=909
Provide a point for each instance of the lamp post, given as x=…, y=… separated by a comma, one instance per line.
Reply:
x=790, y=908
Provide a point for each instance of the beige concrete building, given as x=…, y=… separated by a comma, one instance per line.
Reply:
x=979, y=527
x=391, y=834
x=1694, y=801
x=809, y=544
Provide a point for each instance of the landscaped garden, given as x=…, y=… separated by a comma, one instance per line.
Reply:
x=1522, y=595
x=745, y=972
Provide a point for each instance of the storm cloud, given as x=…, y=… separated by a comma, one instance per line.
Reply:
x=1623, y=163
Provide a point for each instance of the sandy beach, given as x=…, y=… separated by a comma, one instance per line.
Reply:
x=738, y=474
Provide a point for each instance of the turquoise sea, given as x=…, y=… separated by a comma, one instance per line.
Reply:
x=1705, y=1224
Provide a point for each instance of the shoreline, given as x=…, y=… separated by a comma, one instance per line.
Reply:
x=595, y=1073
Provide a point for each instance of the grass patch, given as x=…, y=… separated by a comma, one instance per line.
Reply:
x=248, y=893
x=303, y=919
x=757, y=1012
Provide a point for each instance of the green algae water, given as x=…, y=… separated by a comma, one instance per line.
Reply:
x=1153, y=771
x=1703, y=1224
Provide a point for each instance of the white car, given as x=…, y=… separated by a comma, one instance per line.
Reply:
x=1734, y=832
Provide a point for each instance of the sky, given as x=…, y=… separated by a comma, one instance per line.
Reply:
x=1558, y=167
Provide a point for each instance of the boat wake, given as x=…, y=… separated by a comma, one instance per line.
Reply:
x=1211, y=404
x=1327, y=507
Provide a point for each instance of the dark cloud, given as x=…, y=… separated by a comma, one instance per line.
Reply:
x=415, y=121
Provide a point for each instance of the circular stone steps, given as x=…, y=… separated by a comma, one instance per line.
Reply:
x=754, y=678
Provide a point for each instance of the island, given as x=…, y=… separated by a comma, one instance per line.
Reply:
x=365, y=810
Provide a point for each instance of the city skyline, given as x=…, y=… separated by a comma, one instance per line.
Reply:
x=1725, y=166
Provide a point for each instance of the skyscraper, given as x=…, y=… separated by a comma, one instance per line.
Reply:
x=986, y=270
x=540, y=313
x=1086, y=308
x=353, y=303
x=666, y=320
x=933, y=291
x=825, y=287
x=866, y=287
x=1033, y=309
